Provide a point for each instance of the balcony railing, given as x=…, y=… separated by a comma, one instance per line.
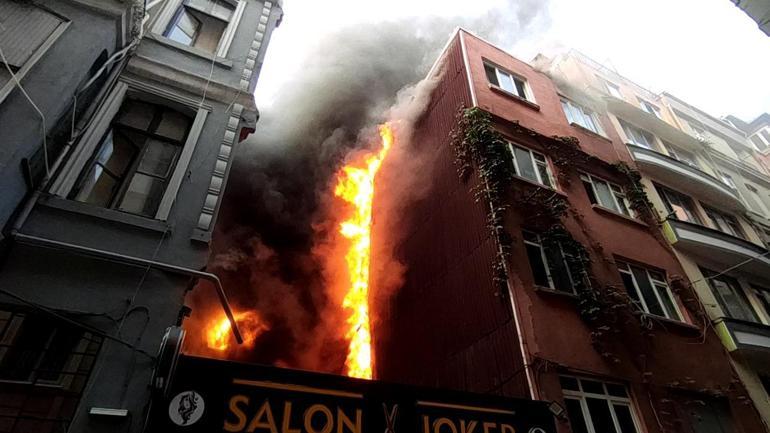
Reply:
x=717, y=247
x=685, y=177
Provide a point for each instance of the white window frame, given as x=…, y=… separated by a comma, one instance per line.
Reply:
x=167, y=13
x=544, y=257
x=535, y=164
x=582, y=397
x=760, y=136
x=500, y=71
x=754, y=193
x=92, y=138
x=644, y=104
x=615, y=190
x=628, y=128
x=573, y=109
x=625, y=268
x=8, y=87
x=612, y=88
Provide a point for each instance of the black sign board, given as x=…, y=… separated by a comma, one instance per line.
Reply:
x=212, y=396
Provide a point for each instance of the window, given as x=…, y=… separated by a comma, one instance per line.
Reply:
x=505, y=80
x=723, y=222
x=531, y=165
x=697, y=130
x=26, y=32
x=133, y=164
x=549, y=266
x=637, y=136
x=756, y=202
x=605, y=194
x=612, y=89
x=759, y=143
x=763, y=295
x=598, y=407
x=678, y=205
x=730, y=296
x=727, y=180
x=201, y=23
x=649, y=291
x=682, y=155
x=581, y=116
x=650, y=108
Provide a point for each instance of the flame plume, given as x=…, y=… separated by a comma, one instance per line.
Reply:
x=218, y=335
x=355, y=185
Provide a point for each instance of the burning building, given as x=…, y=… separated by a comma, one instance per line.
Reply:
x=119, y=120
x=535, y=264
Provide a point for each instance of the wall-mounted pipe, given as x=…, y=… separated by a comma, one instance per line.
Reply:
x=213, y=279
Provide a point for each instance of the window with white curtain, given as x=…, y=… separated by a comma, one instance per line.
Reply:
x=605, y=194
x=507, y=81
x=531, y=165
x=581, y=116
x=649, y=290
x=638, y=136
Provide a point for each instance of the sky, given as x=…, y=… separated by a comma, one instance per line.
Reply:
x=706, y=52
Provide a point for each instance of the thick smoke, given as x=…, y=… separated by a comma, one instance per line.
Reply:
x=266, y=245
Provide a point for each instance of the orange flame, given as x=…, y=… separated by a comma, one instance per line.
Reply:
x=355, y=185
x=219, y=336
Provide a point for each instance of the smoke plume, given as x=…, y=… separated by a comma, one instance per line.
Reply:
x=270, y=245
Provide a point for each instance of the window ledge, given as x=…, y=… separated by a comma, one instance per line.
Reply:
x=103, y=213
x=538, y=185
x=203, y=236
x=516, y=98
x=610, y=212
x=221, y=61
x=588, y=131
x=549, y=291
x=664, y=321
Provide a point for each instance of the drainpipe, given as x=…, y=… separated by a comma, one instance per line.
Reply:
x=138, y=261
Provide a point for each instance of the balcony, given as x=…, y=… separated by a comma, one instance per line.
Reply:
x=750, y=339
x=650, y=122
x=719, y=248
x=685, y=178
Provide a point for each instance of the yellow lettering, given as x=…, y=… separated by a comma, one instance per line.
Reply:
x=312, y=410
x=235, y=410
x=343, y=420
x=467, y=428
x=437, y=424
x=507, y=428
x=256, y=422
x=425, y=425
x=285, y=423
x=488, y=425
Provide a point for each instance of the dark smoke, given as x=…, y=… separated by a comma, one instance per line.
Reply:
x=271, y=213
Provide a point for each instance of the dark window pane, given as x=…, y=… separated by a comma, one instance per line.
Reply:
x=28, y=338
x=590, y=191
x=136, y=114
x=559, y=272
x=625, y=420
x=520, y=87
x=600, y=415
x=98, y=188
x=491, y=74
x=616, y=390
x=539, y=273
x=542, y=168
x=116, y=153
x=58, y=353
x=158, y=158
x=592, y=386
x=143, y=195
x=576, y=419
x=185, y=28
x=648, y=293
x=173, y=125
x=524, y=161
x=732, y=299
x=668, y=303
x=569, y=383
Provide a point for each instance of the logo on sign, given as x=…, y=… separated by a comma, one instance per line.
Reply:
x=186, y=408
x=536, y=430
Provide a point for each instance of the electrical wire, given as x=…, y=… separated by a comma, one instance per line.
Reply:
x=44, y=129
